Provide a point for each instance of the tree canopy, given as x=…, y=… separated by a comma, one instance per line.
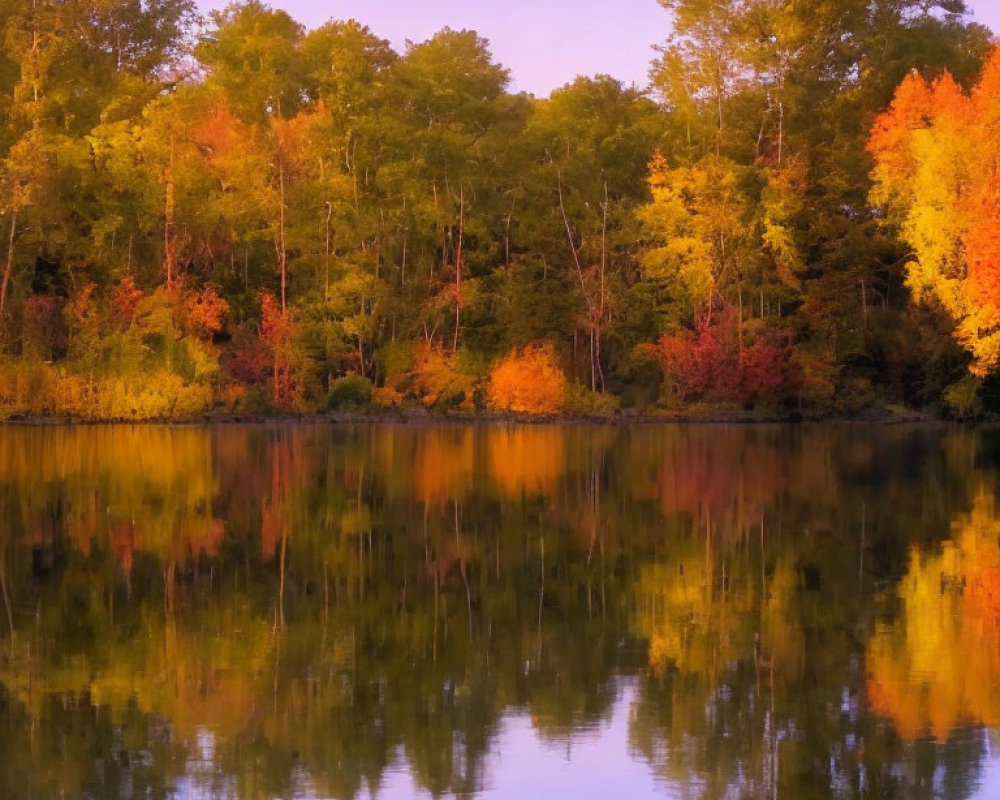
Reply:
x=372, y=228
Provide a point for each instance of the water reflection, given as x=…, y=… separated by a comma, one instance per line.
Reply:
x=378, y=611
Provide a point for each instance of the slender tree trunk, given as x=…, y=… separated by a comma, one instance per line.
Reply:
x=9, y=266
x=583, y=283
x=739, y=330
x=326, y=287
x=602, y=300
x=282, y=254
x=781, y=131
x=864, y=304
x=402, y=273
x=506, y=241
x=169, y=208
x=458, y=266
x=402, y=268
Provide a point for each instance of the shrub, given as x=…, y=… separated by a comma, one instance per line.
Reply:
x=436, y=380
x=583, y=402
x=528, y=382
x=961, y=399
x=706, y=364
x=25, y=388
x=350, y=393
x=386, y=397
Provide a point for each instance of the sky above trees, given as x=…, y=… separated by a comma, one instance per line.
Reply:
x=565, y=38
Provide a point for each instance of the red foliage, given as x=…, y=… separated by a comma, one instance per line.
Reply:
x=125, y=299
x=706, y=364
x=247, y=359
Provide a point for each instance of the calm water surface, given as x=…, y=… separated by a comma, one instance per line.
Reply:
x=501, y=612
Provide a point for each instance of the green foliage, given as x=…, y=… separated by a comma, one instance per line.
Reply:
x=412, y=222
x=350, y=393
x=583, y=402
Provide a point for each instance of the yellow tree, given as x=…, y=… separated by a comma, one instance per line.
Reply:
x=937, y=175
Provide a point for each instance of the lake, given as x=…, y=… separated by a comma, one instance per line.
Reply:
x=499, y=611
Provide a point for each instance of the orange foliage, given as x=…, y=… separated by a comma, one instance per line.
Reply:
x=81, y=308
x=890, y=134
x=221, y=134
x=528, y=382
x=203, y=313
x=125, y=299
x=936, y=167
x=276, y=332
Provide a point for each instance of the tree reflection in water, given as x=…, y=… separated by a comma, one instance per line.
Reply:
x=361, y=610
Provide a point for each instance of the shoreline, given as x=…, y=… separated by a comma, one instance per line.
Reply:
x=888, y=416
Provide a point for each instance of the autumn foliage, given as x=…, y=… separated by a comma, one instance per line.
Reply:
x=708, y=364
x=936, y=171
x=528, y=382
x=276, y=332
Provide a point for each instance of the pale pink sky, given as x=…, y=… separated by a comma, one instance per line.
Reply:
x=545, y=43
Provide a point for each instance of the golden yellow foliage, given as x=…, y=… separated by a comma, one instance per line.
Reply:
x=529, y=382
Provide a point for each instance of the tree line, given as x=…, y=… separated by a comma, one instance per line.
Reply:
x=238, y=214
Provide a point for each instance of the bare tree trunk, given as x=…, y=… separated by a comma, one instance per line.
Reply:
x=506, y=240
x=602, y=300
x=9, y=266
x=458, y=266
x=169, y=206
x=402, y=269
x=326, y=288
x=781, y=131
x=864, y=303
x=282, y=254
x=583, y=283
x=739, y=330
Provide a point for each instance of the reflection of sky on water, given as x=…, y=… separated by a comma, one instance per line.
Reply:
x=989, y=786
x=593, y=763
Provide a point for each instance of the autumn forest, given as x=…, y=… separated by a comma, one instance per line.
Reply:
x=239, y=216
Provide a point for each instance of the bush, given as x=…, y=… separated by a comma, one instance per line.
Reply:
x=437, y=380
x=583, y=402
x=26, y=387
x=961, y=399
x=386, y=397
x=350, y=393
x=160, y=396
x=528, y=382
